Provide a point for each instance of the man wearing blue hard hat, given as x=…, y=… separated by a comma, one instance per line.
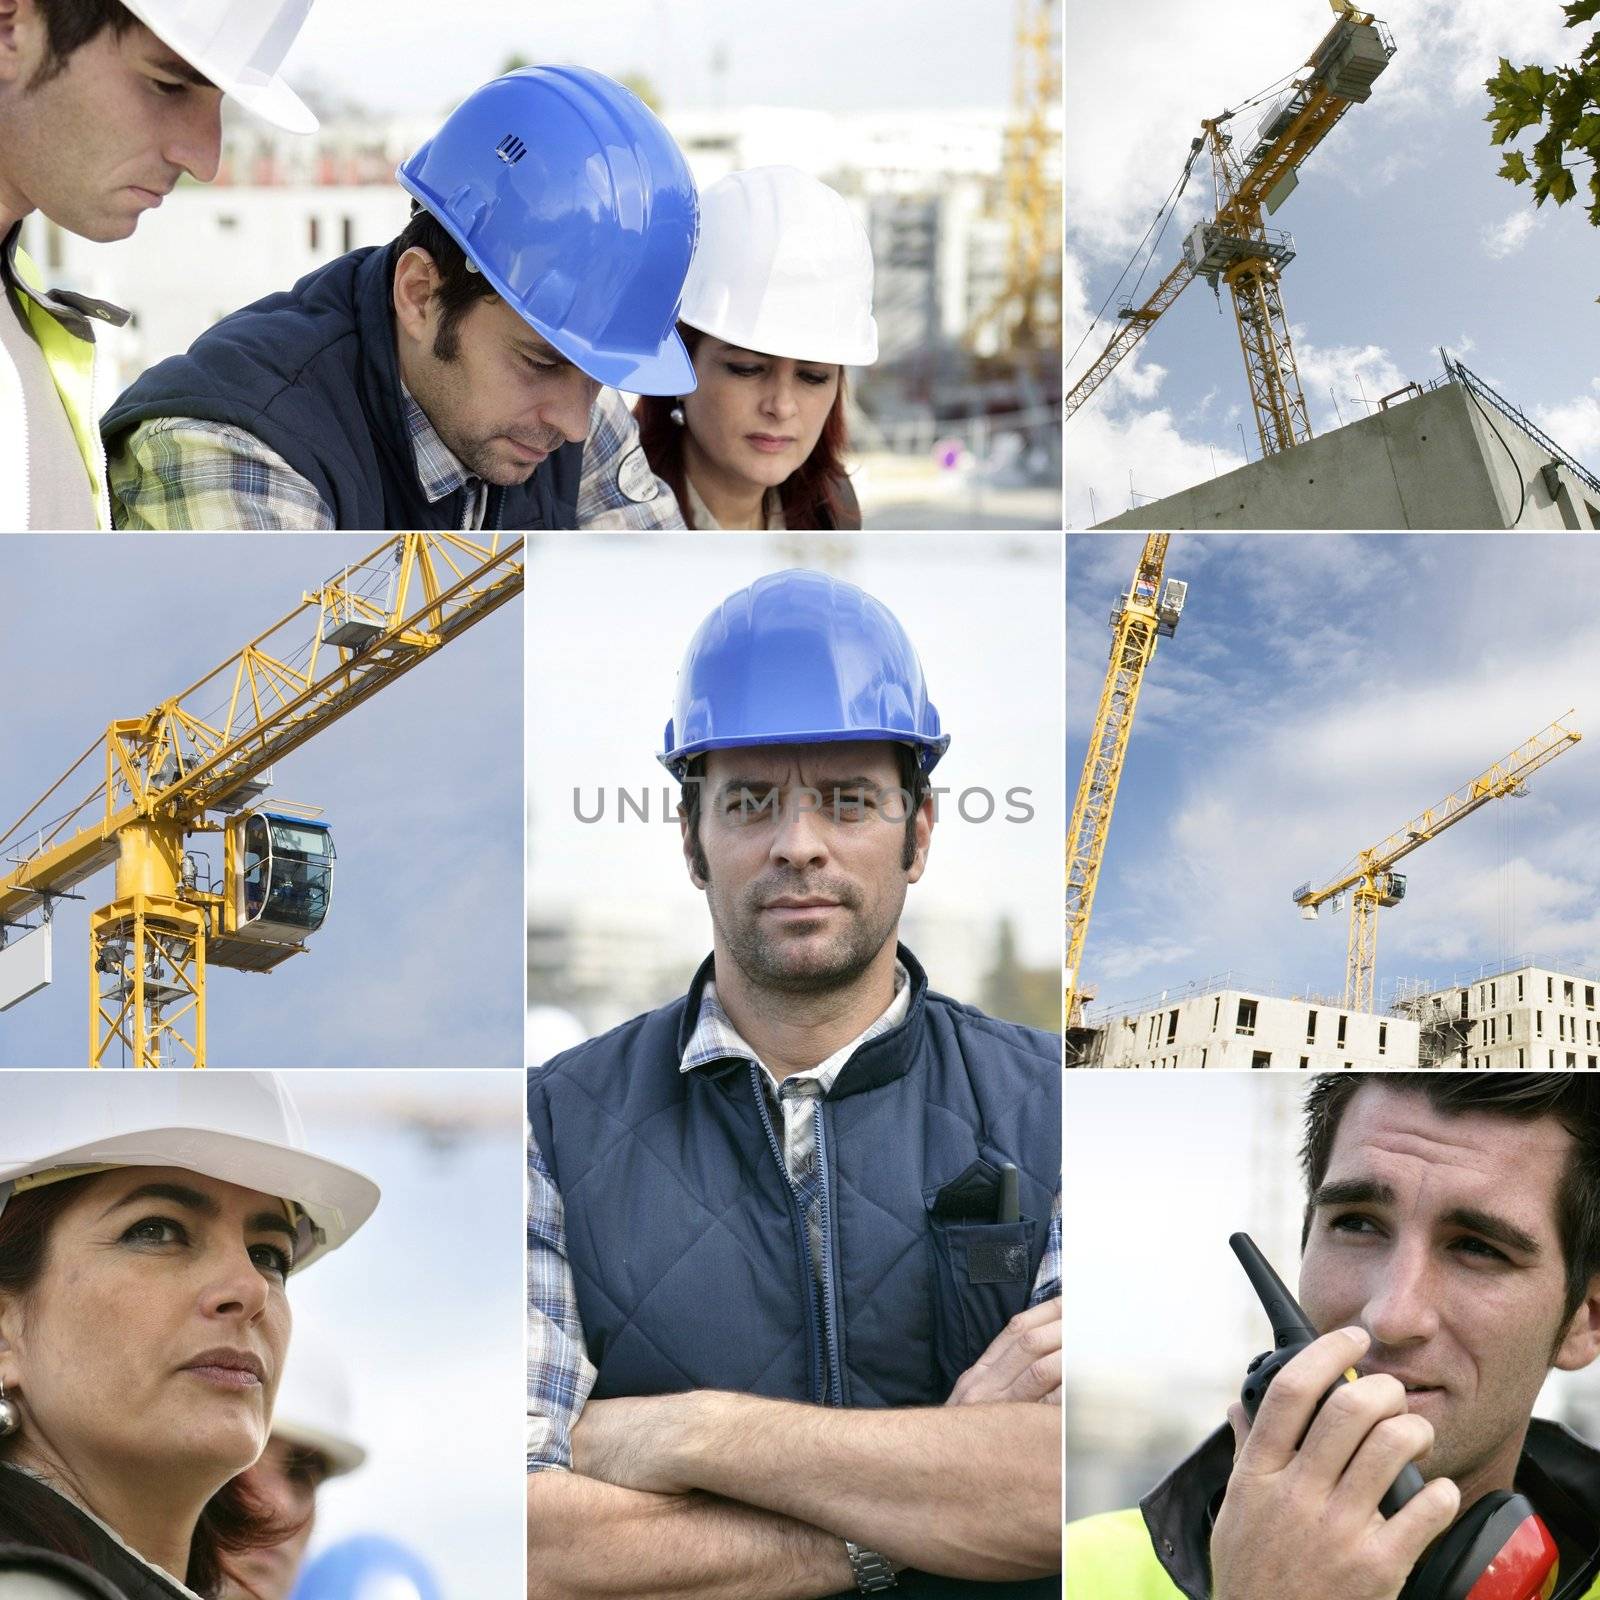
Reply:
x=794, y=1239
x=453, y=378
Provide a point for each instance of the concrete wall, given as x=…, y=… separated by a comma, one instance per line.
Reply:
x=1218, y=1030
x=1529, y=1017
x=1429, y=462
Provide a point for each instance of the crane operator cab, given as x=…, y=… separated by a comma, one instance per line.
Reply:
x=278, y=886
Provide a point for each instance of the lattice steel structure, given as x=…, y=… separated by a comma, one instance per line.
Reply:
x=196, y=758
x=1141, y=616
x=1369, y=878
x=1234, y=245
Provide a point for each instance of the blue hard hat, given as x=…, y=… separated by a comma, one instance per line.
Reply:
x=366, y=1567
x=570, y=197
x=800, y=658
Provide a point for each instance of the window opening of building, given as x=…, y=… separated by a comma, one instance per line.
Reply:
x=1172, y=1026
x=1216, y=1011
x=1311, y=1027
x=1260, y=1058
x=1383, y=1038
x=1340, y=1040
x=1519, y=986
x=1305, y=1061
x=1247, y=1017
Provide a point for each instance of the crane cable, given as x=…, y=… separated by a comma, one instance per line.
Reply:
x=1164, y=215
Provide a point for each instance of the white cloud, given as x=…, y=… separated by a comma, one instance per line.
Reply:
x=1506, y=238
x=1102, y=441
x=1575, y=425
x=1354, y=376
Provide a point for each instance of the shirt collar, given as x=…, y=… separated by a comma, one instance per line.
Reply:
x=439, y=471
x=716, y=1039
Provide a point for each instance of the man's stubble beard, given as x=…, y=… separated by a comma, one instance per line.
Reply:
x=837, y=965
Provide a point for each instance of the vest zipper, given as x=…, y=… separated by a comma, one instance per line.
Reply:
x=802, y=1236
x=829, y=1320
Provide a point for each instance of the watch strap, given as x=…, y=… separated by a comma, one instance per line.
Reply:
x=874, y=1573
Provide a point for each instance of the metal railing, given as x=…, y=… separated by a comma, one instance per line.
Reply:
x=1470, y=380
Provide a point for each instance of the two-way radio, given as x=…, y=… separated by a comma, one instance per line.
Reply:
x=1498, y=1549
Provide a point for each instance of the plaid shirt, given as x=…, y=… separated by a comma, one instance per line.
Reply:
x=183, y=473
x=560, y=1374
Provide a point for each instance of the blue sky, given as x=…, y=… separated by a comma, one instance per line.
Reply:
x=1406, y=239
x=1321, y=690
x=420, y=960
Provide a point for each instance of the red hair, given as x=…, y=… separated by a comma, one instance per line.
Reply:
x=235, y=1519
x=809, y=495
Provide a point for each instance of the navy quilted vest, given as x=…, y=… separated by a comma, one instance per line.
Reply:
x=688, y=1248
x=313, y=374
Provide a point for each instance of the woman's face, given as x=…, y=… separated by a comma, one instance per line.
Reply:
x=755, y=417
x=156, y=1333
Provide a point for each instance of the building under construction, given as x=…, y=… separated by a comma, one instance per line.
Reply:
x=1454, y=454
x=1521, y=1015
x=1225, y=1022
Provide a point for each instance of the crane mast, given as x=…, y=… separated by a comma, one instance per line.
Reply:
x=1234, y=245
x=1141, y=616
x=198, y=759
x=1369, y=878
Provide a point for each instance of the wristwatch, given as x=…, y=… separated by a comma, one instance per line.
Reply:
x=874, y=1573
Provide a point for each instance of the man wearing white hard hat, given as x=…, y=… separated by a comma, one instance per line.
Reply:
x=104, y=106
x=778, y=302
x=311, y=1442
x=148, y=1226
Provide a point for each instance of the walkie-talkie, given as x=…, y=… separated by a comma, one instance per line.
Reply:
x=1498, y=1549
x=1291, y=1333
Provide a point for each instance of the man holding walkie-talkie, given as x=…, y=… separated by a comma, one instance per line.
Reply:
x=1452, y=1253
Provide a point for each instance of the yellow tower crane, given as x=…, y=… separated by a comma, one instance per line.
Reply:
x=197, y=764
x=1144, y=614
x=1370, y=880
x=1234, y=246
x=1025, y=314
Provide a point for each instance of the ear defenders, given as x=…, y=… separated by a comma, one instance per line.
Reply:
x=1498, y=1549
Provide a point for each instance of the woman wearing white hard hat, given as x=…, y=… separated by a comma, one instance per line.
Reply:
x=778, y=302
x=148, y=1227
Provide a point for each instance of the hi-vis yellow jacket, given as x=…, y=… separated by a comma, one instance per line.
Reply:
x=1115, y=1556
x=63, y=325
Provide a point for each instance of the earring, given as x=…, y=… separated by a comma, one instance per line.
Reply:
x=676, y=413
x=10, y=1415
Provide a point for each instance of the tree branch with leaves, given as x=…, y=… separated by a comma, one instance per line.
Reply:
x=1565, y=104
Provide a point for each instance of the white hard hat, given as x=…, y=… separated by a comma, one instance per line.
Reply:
x=313, y=1405
x=782, y=267
x=239, y=45
x=238, y=1127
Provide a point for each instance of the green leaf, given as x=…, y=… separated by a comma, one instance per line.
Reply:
x=1515, y=167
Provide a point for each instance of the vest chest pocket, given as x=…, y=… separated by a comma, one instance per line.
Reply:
x=981, y=1280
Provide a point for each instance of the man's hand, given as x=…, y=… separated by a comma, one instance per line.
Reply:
x=1023, y=1363
x=1301, y=1513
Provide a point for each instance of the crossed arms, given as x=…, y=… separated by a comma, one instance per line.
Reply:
x=733, y=1497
